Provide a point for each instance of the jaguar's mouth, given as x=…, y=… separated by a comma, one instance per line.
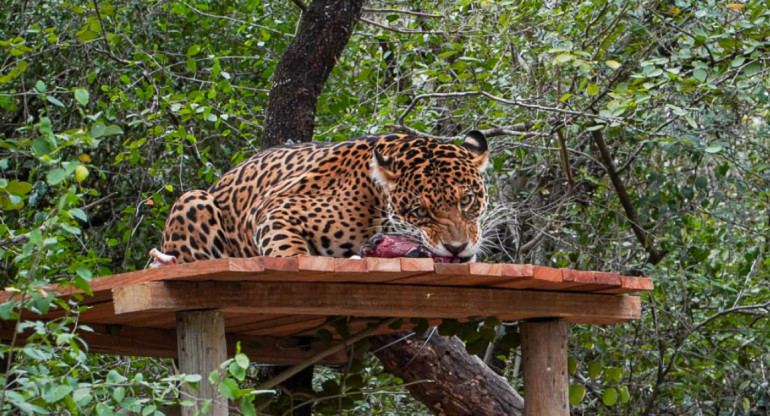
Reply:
x=389, y=246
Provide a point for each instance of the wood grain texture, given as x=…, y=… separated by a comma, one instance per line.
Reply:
x=544, y=367
x=631, y=285
x=300, y=298
x=201, y=347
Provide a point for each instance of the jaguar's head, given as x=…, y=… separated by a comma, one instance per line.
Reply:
x=435, y=191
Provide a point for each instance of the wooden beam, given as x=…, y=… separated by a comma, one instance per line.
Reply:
x=544, y=366
x=201, y=345
x=301, y=298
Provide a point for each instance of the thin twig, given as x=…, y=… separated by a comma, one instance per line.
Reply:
x=101, y=26
x=19, y=239
x=405, y=31
x=410, y=12
x=493, y=97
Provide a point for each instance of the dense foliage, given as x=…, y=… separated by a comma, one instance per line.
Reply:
x=628, y=136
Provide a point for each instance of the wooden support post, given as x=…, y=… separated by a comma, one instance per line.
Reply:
x=544, y=364
x=201, y=346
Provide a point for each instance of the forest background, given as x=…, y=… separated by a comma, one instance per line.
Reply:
x=626, y=136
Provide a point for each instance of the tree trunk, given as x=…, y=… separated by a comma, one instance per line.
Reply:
x=323, y=32
x=461, y=383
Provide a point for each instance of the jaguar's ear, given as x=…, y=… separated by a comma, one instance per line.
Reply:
x=383, y=172
x=476, y=143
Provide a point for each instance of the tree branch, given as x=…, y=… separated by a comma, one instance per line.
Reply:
x=409, y=12
x=493, y=97
x=646, y=239
x=404, y=31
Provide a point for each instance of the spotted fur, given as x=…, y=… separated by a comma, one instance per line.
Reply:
x=329, y=198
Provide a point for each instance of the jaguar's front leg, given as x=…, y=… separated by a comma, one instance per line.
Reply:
x=279, y=234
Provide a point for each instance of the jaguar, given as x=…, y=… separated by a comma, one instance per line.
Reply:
x=329, y=199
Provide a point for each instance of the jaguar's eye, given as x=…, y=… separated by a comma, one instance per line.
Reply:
x=420, y=212
x=466, y=201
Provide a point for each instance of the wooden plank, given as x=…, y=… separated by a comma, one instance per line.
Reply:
x=420, y=265
x=589, y=281
x=544, y=367
x=300, y=298
x=369, y=270
x=543, y=278
x=199, y=270
x=309, y=268
x=631, y=285
x=479, y=274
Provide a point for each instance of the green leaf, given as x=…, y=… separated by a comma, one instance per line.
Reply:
x=98, y=129
x=613, y=374
x=247, y=406
x=592, y=89
x=612, y=64
x=55, y=176
x=41, y=146
x=421, y=325
x=84, y=273
x=18, y=188
x=354, y=381
x=572, y=364
x=713, y=149
x=594, y=369
x=214, y=377
x=752, y=68
x=51, y=99
x=700, y=74
x=118, y=394
x=229, y=388
x=40, y=86
x=193, y=50
x=112, y=130
x=565, y=97
x=576, y=394
x=114, y=377
x=487, y=333
x=610, y=397
x=476, y=347
x=82, y=96
x=242, y=360
x=82, y=396
x=701, y=182
x=448, y=327
x=79, y=214
x=563, y=58
x=625, y=397
x=237, y=371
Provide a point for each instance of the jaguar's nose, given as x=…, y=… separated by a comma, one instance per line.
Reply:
x=455, y=249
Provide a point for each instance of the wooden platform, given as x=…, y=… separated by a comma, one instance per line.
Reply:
x=276, y=306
